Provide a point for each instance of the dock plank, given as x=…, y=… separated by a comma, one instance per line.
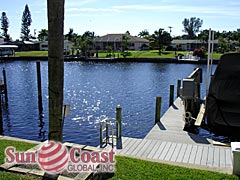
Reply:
x=154, y=150
x=132, y=146
x=159, y=150
x=204, y=155
x=181, y=153
x=210, y=156
x=176, y=152
x=170, y=152
x=229, y=158
x=145, y=147
x=187, y=154
x=216, y=160
x=222, y=158
x=128, y=146
x=198, y=155
x=165, y=151
x=149, y=149
x=138, y=148
x=193, y=154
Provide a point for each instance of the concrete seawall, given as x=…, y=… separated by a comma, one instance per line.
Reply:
x=109, y=60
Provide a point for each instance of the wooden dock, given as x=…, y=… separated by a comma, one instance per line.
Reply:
x=168, y=143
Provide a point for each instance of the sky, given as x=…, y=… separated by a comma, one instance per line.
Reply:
x=118, y=16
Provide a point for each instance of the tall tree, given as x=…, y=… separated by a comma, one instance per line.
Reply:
x=5, y=26
x=55, y=67
x=43, y=35
x=192, y=26
x=26, y=23
x=69, y=35
x=143, y=33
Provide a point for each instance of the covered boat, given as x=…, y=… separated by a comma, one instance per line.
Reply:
x=223, y=99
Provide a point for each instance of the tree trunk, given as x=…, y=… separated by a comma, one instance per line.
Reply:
x=55, y=67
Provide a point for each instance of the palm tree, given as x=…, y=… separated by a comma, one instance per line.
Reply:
x=55, y=67
x=43, y=35
x=143, y=33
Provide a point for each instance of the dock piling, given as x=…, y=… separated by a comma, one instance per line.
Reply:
x=39, y=84
x=178, y=87
x=1, y=119
x=5, y=85
x=119, y=122
x=171, y=96
x=158, y=109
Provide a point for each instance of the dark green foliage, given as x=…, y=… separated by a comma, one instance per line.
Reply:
x=5, y=26
x=26, y=23
x=199, y=52
x=43, y=35
x=192, y=26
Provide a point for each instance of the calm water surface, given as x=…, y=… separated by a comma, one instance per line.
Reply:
x=93, y=91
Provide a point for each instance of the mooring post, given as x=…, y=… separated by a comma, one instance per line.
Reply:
x=1, y=119
x=171, y=96
x=5, y=86
x=39, y=84
x=119, y=122
x=158, y=109
x=101, y=135
x=178, y=87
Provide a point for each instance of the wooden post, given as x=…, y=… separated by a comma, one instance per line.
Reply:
x=178, y=87
x=119, y=121
x=39, y=84
x=158, y=109
x=1, y=119
x=5, y=86
x=101, y=135
x=107, y=131
x=171, y=96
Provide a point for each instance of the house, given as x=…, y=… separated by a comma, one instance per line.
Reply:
x=43, y=46
x=25, y=45
x=116, y=40
x=190, y=45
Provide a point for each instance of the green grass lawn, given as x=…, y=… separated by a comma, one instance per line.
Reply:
x=129, y=168
x=32, y=53
x=20, y=146
x=134, y=54
x=126, y=168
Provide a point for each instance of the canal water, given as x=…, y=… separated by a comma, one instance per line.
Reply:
x=93, y=91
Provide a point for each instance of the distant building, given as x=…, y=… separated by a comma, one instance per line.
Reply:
x=190, y=45
x=1, y=41
x=67, y=46
x=115, y=41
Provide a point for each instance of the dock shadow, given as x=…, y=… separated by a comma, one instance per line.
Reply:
x=174, y=106
x=161, y=126
x=198, y=139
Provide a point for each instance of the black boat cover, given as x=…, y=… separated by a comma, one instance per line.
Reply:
x=223, y=100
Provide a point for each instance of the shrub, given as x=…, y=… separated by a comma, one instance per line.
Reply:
x=199, y=52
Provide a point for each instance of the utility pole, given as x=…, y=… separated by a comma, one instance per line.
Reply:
x=170, y=27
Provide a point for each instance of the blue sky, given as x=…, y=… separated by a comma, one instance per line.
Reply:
x=118, y=16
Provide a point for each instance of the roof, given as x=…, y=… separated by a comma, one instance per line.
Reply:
x=118, y=38
x=8, y=46
x=189, y=41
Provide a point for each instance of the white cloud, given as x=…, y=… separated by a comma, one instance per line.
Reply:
x=92, y=10
x=224, y=11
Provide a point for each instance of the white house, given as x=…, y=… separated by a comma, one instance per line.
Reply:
x=115, y=40
x=190, y=44
x=67, y=46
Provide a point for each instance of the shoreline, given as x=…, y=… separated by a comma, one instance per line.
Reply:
x=110, y=60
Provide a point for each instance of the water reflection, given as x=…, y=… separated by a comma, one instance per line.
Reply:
x=42, y=131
